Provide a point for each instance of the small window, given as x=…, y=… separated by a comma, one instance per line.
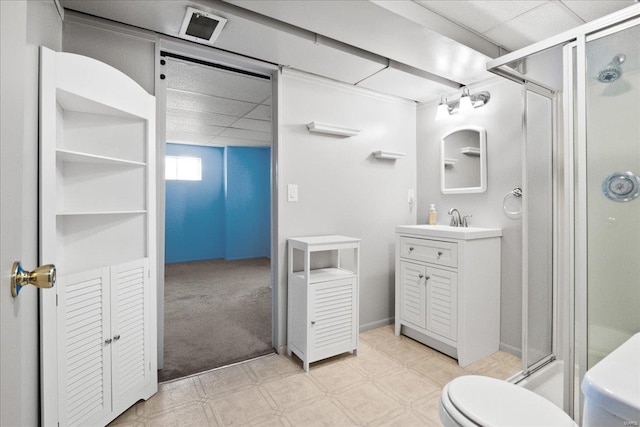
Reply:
x=183, y=168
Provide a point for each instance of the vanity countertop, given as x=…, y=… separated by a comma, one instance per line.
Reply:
x=448, y=232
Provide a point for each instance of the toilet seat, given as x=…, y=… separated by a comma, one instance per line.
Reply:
x=475, y=400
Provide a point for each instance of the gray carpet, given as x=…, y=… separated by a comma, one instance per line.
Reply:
x=217, y=312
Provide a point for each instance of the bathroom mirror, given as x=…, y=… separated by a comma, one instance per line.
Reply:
x=463, y=161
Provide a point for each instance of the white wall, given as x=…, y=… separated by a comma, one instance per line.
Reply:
x=24, y=27
x=502, y=119
x=342, y=188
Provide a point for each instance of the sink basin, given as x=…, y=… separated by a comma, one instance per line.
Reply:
x=448, y=232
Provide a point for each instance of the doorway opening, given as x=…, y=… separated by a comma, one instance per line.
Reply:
x=218, y=296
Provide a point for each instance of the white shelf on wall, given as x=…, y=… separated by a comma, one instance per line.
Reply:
x=388, y=155
x=450, y=162
x=316, y=127
x=470, y=151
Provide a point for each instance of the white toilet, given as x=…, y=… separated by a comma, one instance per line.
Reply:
x=612, y=388
x=483, y=401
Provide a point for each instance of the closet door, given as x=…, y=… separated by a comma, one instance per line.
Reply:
x=84, y=368
x=130, y=331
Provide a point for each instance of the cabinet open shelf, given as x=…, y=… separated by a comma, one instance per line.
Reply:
x=326, y=274
x=78, y=157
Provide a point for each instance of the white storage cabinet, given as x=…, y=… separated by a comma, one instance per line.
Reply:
x=97, y=218
x=448, y=290
x=323, y=297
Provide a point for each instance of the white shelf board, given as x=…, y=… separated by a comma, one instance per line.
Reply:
x=79, y=213
x=76, y=156
x=317, y=127
x=470, y=151
x=450, y=162
x=388, y=155
x=326, y=274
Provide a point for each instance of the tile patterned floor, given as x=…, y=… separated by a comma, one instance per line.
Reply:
x=394, y=381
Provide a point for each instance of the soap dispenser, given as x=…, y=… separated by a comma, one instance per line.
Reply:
x=433, y=215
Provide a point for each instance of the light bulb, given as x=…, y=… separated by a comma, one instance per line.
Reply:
x=465, y=102
x=443, y=110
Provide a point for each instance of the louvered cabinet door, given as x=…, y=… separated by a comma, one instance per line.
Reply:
x=413, y=293
x=332, y=314
x=442, y=302
x=84, y=368
x=130, y=331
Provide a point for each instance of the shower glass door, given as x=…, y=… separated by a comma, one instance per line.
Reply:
x=612, y=94
x=538, y=228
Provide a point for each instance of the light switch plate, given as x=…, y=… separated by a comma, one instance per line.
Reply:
x=292, y=193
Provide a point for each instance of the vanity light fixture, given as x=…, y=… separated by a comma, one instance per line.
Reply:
x=467, y=102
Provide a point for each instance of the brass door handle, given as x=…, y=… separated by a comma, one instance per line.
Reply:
x=42, y=277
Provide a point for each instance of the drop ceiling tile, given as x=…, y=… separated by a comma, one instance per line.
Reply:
x=247, y=134
x=590, y=10
x=480, y=15
x=201, y=128
x=261, y=112
x=527, y=28
x=205, y=103
x=196, y=117
x=238, y=142
x=212, y=81
x=187, y=137
x=252, y=124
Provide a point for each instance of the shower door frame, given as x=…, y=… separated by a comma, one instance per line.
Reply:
x=529, y=367
x=574, y=277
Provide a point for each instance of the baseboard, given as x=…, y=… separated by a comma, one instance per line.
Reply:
x=377, y=324
x=510, y=349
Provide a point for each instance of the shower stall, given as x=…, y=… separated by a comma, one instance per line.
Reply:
x=581, y=198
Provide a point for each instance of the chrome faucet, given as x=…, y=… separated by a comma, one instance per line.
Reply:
x=455, y=217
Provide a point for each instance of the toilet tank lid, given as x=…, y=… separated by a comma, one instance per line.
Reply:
x=614, y=382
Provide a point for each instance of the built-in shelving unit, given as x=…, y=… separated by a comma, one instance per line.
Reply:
x=316, y=127
x=388, y=155
x=97, y=217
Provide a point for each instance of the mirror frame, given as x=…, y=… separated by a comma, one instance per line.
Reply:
x=483, y=162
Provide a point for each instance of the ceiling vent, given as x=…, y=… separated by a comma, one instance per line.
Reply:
x=201, y=27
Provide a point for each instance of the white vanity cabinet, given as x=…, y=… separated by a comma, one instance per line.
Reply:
x=323, y=297
x=448, y=289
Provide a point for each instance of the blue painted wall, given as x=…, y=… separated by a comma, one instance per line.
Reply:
x=195, y=227
x=248, y=189
x=227, y=214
